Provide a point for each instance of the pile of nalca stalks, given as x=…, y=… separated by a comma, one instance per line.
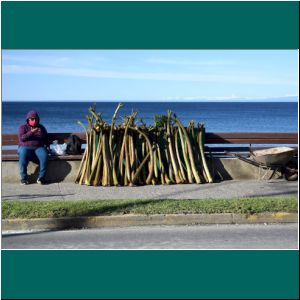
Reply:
x=132, y=153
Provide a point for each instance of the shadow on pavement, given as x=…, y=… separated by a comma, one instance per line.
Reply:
x=32, y=196
x=7, y=235
x=56, y=171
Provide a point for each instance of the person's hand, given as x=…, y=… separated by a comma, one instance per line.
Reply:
x=36, y=130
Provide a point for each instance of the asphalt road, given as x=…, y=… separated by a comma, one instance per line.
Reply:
x=258, y=236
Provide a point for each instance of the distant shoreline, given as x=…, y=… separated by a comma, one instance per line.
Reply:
x=154, y=101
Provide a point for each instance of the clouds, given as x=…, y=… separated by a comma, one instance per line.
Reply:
x=188, y=62
x=259, y=79
x=37, y=60
x=149, y=74
x=211, y=98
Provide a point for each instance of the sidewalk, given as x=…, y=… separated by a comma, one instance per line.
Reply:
x=225, y=189
x=72, y=191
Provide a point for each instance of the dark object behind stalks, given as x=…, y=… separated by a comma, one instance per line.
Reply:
x=291, y=171
x=73, y=145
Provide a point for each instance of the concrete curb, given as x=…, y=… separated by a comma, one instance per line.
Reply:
x=141, y=220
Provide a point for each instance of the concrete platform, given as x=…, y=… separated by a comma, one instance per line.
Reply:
x=224, y=189
x=66, y=171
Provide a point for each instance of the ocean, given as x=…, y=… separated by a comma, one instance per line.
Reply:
x=217, y=116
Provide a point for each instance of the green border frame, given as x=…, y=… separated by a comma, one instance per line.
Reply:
x=125, y=274
x=150, y=274
x=150, y=25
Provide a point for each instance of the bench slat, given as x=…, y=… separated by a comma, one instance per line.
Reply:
x=237, y=149
x=218, y=138
x=252, y=135
x=12, y=139
x=250, y=141
x=251, y=138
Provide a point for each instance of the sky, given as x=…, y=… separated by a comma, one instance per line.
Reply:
x=148, y=75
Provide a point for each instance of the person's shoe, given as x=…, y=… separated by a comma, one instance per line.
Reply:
x=41, y=181
x=24, y=181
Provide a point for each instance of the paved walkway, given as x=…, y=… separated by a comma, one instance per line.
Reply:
x=225, y=189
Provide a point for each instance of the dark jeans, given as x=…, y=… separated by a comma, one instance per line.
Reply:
x=37, y=155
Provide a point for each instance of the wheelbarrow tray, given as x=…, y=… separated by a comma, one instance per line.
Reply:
x=278, y=156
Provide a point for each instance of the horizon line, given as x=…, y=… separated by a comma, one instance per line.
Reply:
x=162, y=100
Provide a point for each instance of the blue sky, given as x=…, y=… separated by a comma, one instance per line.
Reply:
x=169, y=75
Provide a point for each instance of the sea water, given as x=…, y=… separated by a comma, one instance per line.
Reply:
x=217, y=116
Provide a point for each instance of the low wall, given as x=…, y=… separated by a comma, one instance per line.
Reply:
x=66, y=171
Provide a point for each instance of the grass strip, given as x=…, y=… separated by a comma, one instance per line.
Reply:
x=56, y=209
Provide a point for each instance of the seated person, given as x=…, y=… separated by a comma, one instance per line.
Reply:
x=32, y=147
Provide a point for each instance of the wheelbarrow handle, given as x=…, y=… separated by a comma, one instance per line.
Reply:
x=243, y=158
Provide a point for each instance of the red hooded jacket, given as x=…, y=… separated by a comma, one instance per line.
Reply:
x=34, y=139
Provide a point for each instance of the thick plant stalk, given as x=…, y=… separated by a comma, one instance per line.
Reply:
x=90, y=151
x=171, y=175
x=106, y=160
x=189, y=148
x=131, y=154
x=196, y=151
x=89, y=161
x=80, y=167
x=160, y=175
x=170, y=145
x=136, y=162
x=167, y=179
x=185, y=156
x=128, y=121
x=203, y=174
x=97, y=178
x=122, y=151
x=96, y=162
x=91, y=110
x=139, y=169
x=86, y=155
x=155, y=163
x=169, y=169
x=113, y=121
x=178, y=157
x=201, y=146
x=94, y=138
x=144, y=174
x=127, y=162
x=163, y=174
x=114, y=173
x=128, y=155
x=120, y=158
x=83, y=174
x=193, y=140
x=149, y=178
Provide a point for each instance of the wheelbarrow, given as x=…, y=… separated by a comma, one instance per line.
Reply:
x=268, y=159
